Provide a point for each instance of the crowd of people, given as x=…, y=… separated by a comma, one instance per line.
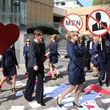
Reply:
x=84, y=56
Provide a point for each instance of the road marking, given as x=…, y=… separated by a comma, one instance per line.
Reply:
x=34, y=104
x=19, y=83
x=106, y=100
x=56, y=108
x=17, y=108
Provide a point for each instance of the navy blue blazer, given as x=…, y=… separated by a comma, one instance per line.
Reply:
x=35, y=55
x=76, y=65
x=75, y=54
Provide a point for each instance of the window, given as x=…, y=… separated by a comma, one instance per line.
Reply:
x=13, y=11
x=63, y=3
x=57, y=3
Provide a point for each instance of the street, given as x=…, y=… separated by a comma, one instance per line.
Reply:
x=52, y=89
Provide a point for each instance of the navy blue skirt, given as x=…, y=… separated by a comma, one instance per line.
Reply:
x=53, y=59
x=9, y=71
x=76, y=75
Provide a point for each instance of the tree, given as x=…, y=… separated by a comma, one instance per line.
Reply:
x=96, y=2
x=100, y=2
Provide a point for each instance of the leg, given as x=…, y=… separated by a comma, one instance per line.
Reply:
x=3, y=80
x=9, y=78
x=88, y=65
x=67, y=91
x=26, y=63
x=30, y=84
x=5, y=76
x=14, y=82
x=57, y=72
x=95, y=70
x=26, y=67
x=78, y=90
x=107, y=72
x=102, y=73
x=51, y=67
x=40, y=88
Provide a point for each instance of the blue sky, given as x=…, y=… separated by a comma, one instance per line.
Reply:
x=86, y=2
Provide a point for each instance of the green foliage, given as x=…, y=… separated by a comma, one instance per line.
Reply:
x=100, y=2
x=96, y=2
x=107, y=1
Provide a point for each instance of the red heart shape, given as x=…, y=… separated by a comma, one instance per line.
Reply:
x=9, y=34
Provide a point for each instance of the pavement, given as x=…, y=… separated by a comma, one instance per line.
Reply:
x=16, y=101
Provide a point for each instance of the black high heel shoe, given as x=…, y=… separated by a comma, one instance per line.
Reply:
x=59, y=104
x=79, y=106
x=100, y=82
x=107, y=83
x=60, y=75
x=13, y=90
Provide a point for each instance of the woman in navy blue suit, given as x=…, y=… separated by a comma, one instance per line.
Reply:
x=26, y=54
x=94, y=52
x=53, y=56
x=75, y=70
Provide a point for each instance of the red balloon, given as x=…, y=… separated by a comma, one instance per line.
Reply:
x=9, y=34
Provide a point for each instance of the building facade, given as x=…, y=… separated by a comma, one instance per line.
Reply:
x=13, y=11
x=39, y=11
x=26, y=12
x=67, y=4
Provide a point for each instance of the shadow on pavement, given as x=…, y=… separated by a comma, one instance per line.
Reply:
x=91, y=81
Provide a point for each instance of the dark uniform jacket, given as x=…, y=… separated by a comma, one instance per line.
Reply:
x=9, y=58
x=35, y=55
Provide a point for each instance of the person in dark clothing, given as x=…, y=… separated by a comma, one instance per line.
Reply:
x=95, y=56
x=88, y=59
x=8, y=65
x=104, y=59
x=42, y=48
x=84, y=52
x=76, y=74
x=44, y=55
x=53, y=56
x=35, y=68
x=26, y=54
x=102, y=62
x=107, y=58
x=10, y=77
